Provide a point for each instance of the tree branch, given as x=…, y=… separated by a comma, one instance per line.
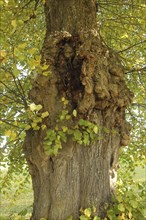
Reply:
x=8, y=123
x=139, y=105
x=134, y=45
x=136, y=70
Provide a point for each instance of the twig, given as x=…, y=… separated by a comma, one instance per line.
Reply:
x=134, y=45
x=136, y=70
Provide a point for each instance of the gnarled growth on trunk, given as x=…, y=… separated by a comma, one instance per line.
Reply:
x=90, y=76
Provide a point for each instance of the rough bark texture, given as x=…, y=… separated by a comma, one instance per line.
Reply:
x=91, y=77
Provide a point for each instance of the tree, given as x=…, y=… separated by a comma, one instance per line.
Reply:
x=75, y=117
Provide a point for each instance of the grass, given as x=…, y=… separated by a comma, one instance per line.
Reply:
x=15, y=205
x=10, y=205
x=15, y=200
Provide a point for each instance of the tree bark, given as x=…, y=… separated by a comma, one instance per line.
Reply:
x=89, y=75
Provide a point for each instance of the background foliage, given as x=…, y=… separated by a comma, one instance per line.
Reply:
x=122, y=25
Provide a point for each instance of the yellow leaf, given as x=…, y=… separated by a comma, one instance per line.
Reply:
x=67, y=117
x=46, y=73
x=33, y=63
x=2, y=56
x=95, y=129
x=32, y=106
x=122, y=217
x=11, y=134
x=8, y=133
x=34, y=125
x=88, y=212
x=14, y=23
x=43, y=127
x=44, y=67
x=74, y=113
x=3, y=53
x=44, y=114
x=130, y=215
x=124, y=35
x=22, y=46
x=63, y=99
x=64, y=128
x=38, y=107
x=27, y=127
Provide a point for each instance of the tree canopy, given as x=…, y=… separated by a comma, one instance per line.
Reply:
x=122, y=26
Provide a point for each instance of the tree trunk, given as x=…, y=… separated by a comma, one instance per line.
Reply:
x=89, y=75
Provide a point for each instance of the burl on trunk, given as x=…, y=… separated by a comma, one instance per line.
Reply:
x=90, y=76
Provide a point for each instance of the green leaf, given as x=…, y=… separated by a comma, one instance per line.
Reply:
x=83, y=217
x=86, y=138
x=38, y=107
x=77, y=135
x=96, y=218
x=51, y=135
x=82, y=122
x=121, y=207
x=27, y=127
x=133, y=203
x=16, y=71
x=62, y=136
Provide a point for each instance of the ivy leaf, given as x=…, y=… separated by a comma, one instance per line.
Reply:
x=32, y=107
x=83, y=217
x=121, y=207
x=77, y=135
x=134, y=203
x=38, y=107
x=86, y=138
x=43, y=127
x=34, y=124
x=45, y=114
x=27, y=127
x=74, y=113
x=95, y=129
x=64, y=128
x=88, y=212
x=62, y=136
